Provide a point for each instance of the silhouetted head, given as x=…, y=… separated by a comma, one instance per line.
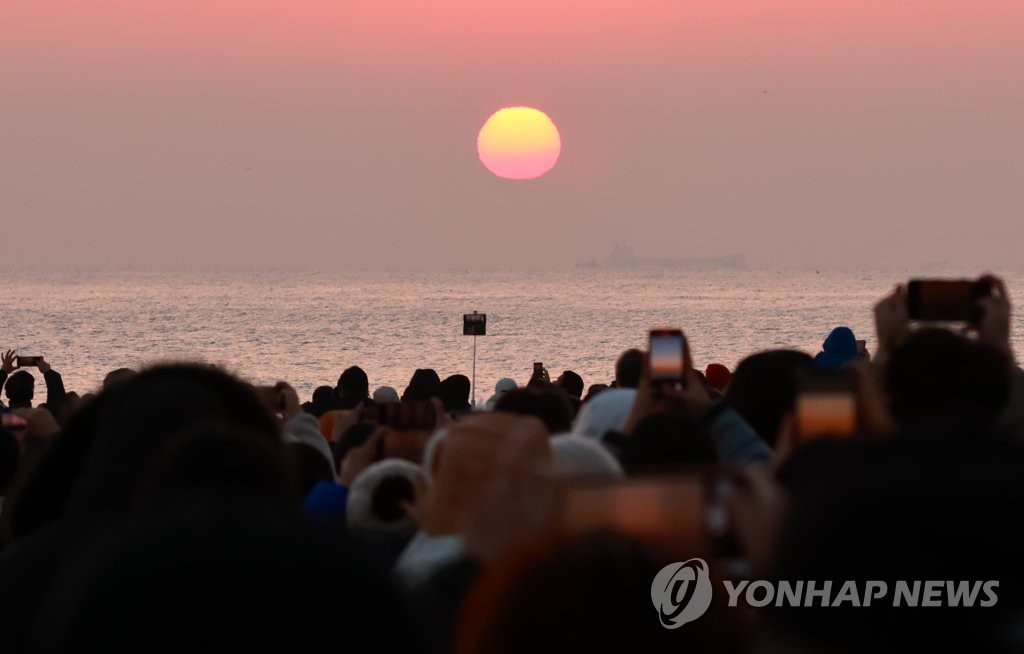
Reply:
x=717, y=376
x=118, y=376
x=666, y=442
x=137, y=419
x=72, y=402
x=425, y=384
x=594, y=390
x=218, y=461
x=20, y=389
x=455, y=393
x=551, y=406
x=940, y=381
x=763, y=389
x=571, y=383
x=838, y=350
x=323, y=401
x=228, y=575
x=629, y=368
x=353, y=383
x=322, y=396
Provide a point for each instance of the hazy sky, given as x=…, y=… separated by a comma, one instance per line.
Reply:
x=333, y=134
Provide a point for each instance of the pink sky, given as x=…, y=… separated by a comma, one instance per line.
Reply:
x=189, y=132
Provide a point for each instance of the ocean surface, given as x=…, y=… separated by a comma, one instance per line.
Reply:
x=305, y=328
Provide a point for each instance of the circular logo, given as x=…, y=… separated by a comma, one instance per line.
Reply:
x=681, y=592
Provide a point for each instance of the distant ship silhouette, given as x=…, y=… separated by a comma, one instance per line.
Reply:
x=622, y=256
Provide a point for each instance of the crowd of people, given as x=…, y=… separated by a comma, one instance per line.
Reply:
x=179, y=507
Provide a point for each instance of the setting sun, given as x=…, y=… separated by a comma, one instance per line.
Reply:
x=519, y=143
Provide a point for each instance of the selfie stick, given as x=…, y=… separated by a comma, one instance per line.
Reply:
x=474, y=370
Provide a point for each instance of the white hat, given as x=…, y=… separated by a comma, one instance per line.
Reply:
x=385, y=395
x=604, y=412
x=503, y=386
x=580, y=458
x=362, y=500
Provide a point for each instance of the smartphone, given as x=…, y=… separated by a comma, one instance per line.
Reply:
x=402, y=416
x=946, y=300
x=826, y=404
x=27, y=362
x=538, y=368
x=668, y=355
x=13, y=421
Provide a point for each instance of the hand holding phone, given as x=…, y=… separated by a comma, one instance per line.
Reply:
x=947, y=300
x=408, y=445
x=540, y=374
x=679, y=513
x=402, y=416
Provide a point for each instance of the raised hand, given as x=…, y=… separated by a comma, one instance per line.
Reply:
x=7, y=359
x=359, y=458
x=994, y=328
x=287, y=401
x=694, y=397
x=42, y=365
x=892, y=321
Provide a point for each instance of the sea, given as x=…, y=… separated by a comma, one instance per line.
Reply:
x=306, y=327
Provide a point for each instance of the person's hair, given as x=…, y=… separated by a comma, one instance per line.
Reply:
x=106, y=452
x=20, y=388
x=590, y=593
x=763, y=389
x=353, y=382
x=253, y=575
x=323, y=395
x=117, y=376
x=665, y=442
x=424, y=385
x=217, y=460
x=9, y=453
x=593, y=391
x=309, y=467
x=940, y=381
x=455, y=392
x=141, y=416
x=551, y=406
x=629, y=368
x=572, y=384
